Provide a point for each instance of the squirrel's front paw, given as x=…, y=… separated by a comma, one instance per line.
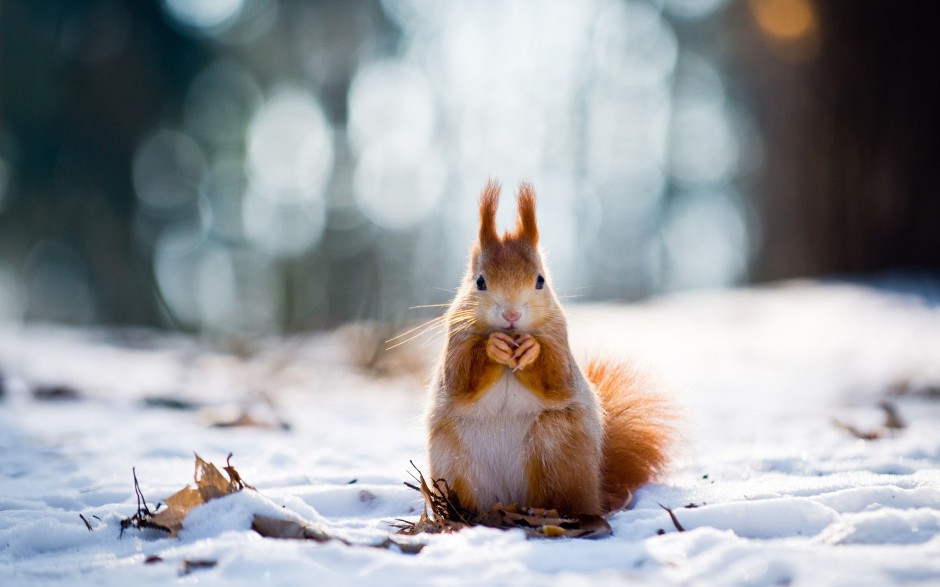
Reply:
x=500, y=347
x=527, y=352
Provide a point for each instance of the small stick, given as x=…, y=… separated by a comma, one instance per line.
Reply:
x=140, y=495
x=675, y=520
x=87, y=525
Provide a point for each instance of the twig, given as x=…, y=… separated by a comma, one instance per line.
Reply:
x=675, y=520
x=141, y=501
x=87, y=525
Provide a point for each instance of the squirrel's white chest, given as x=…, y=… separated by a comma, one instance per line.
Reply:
x=494, y=433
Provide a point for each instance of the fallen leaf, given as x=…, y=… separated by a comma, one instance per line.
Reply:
x=241, y=418
x=191, y=565
x=443, y=513
x=210, y=484
x=55, y=392
x=177, y=506
x=893, y=420
x=403, y=547
x=289, y=529
x=892, y=424
x=553, y=531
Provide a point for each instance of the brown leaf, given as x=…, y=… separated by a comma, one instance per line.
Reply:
x=290, y=529
x=444, y=513
x=858, y=433
x=237, y=480
x=893, y=423
x=549, y=524
x=177, y=506
x=400, y=546
x=191, y=565
x=55, y=392
x=210, y=481
x=592, y=527
x=553, y=531
x=243, y=419
x=210, y=484
x=893, y=420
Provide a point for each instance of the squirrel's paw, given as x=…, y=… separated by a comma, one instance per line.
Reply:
x=500, y=348
x=527, y=352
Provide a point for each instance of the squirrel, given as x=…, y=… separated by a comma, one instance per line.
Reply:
x=512, y=418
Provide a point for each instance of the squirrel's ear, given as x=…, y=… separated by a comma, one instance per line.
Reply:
x=525, y=224
x=489, y=201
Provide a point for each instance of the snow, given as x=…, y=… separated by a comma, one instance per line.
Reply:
x=781, y=495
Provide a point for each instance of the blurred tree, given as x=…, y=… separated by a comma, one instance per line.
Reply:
x=82, y=80
x=846, y=95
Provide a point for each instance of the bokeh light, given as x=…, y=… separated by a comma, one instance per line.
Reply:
x=175, y=265
x=705, y=149
x=395, y=187
x=168, y=168
x=316, y=163
x=290, y=147
x=220, y=101
x=282, y=228
x=634, y=45
x=399, y=174
x=57, y=284
x=705, y=241
x=790, y=27
x=391, y=101
x=223, y=188
x=693, y=9
x=784, y=19
x=203, y=14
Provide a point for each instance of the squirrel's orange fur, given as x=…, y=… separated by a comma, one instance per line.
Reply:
x=512, y=417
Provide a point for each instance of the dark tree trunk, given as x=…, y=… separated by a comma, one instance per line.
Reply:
x=851, y=131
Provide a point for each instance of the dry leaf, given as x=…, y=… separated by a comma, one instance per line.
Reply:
x=238, y=416
x=290, y=529
x=55, y=392
x=177, y=506
x=191, y=565
x=210, y=484
x=893, y=420
x=444, y=513
x=892, y=423
x=553, y=531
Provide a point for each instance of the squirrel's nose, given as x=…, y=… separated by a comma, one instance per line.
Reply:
x=511, y=315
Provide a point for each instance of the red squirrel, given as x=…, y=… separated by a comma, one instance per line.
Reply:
x=512, y=418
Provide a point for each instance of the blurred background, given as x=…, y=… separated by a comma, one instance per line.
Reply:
x=267, y=166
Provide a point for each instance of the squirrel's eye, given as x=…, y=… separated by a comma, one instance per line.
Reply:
x=539, y=282
x=481, y=283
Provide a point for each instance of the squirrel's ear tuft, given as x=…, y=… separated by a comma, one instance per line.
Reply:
x=525, y=224
x=489, y=201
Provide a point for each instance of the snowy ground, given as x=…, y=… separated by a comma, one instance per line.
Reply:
x=783, y=495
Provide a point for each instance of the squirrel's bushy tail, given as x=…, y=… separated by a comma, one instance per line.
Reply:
x=638, y=429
